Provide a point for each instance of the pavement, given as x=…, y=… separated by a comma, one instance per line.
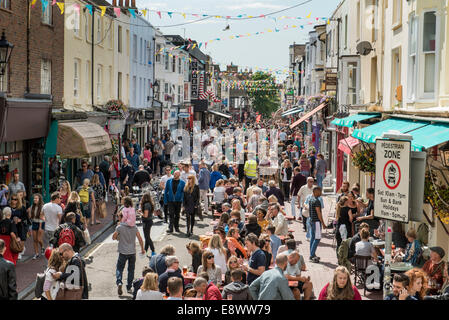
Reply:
x=102, y=255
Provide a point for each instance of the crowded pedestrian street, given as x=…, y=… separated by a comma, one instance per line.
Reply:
x=236, y=151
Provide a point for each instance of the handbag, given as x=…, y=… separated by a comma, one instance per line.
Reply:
x=16, y=246
x=102, y=211
x=86, y=236
x=40, y=279
x=72, y=294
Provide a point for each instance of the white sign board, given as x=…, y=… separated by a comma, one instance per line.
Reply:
x=391, y=200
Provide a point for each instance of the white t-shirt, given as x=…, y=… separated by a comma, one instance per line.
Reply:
x=219, y=259
x=53, y=213
x=164, y=179
x=303, y=193
x=149, y=295
x=219, y=194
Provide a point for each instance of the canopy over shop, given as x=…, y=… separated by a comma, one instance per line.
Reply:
x=74, y=140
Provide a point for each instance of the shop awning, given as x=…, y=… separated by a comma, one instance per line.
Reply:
x=346, y=145
x=292, y=112
x=308, y=115
x=351, y=120
x=369, y=134
x=430, y=136
x=223, y=115
x=82, y=140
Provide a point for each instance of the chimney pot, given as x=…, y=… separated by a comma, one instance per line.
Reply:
x=126, y=3
x=120, y=3
x=114, y=3
x=133, y=3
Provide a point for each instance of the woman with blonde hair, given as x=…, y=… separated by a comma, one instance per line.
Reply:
x=236, y=205
x=286, y=174
x=233, y=264
x=340, y=288
x=150, y=289
x=51, y=285
x=98, y=194
x=64, y=193
x=217, y=248
x=209, y=266
x=87, y=198
x=418, y=283
x=191, y=202
x=73, y=205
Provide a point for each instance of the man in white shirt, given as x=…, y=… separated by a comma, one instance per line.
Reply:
x=164, y=179
x=187, y=170
x=279, y=221
x=53, y=213
x=303, y=193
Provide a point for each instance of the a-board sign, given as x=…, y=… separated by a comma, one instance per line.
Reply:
x=392, y=188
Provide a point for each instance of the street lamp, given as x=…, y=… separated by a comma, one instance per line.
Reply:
x=444, y=152
x=5, y=53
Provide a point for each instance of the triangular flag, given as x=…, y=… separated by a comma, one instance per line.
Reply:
x=310, y=14
x=195, y=15
x=44, y=5
x=117, y=12
x=103, y=10
x=33, y=3
x=194, y=46
x=184, y=15
x=205, y=45
x=61, y=6
x=89, y=7
x=199, y=47
x=159, y=14
x=133, y=12
x=328, y=21
x=170, y=14
x=144, y=11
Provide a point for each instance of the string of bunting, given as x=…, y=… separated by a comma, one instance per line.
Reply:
x=146, y=11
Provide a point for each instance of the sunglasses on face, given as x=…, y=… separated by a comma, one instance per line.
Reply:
x=13, y=199
x=210, y=257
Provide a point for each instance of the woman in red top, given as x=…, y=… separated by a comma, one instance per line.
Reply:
x=341, y=287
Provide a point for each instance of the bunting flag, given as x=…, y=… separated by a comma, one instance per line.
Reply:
x=170, y=14
x=133, y=12
x=159, y=13
x=89, y=7
x=184, y=15
x=309, y=15
x=53, y=3
x=144, y=11
x=44, y=5
x=117, y=12
x=103, y=10
x=33, y=3
x=76, y=7
x=61, y=6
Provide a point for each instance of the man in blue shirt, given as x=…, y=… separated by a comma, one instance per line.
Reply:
x=256, y=265
x=203, y=183
x=133, y=159
x=400, y=283
x=275, y=241
x=136, y=146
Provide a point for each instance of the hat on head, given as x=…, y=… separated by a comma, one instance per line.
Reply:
x=439, y=251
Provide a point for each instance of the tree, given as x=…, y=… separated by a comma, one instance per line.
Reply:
x=264, y=95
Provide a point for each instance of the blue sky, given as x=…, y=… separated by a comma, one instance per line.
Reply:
x=269, y=50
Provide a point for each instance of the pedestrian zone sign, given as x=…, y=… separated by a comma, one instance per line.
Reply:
x=392, y=187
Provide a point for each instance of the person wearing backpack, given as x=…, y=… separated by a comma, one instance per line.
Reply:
x=46, y=287
x=87, y=198
x=69, y=233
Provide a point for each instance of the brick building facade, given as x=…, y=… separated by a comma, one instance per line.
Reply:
x=45, y=41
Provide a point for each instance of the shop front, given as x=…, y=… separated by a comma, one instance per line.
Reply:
x=24, y=124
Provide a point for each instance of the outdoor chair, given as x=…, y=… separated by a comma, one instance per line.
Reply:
x=360, y=265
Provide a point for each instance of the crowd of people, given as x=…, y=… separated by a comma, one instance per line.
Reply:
x=252, y=254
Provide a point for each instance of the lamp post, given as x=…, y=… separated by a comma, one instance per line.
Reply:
x=5, y=53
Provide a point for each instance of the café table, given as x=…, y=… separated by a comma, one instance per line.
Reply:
x=189, y=277
x=400, y=267
x=378, y=243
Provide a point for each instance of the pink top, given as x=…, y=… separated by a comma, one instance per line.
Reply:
x=147, y=155
x=129, y=216
x=323, y=293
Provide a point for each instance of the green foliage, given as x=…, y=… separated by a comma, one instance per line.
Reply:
x=265, y=100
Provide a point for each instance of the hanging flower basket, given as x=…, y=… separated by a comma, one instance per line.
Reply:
x=364, y=160
x=117, y=106
x=437, y=197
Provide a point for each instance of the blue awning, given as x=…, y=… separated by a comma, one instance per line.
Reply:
x=369, y=134
x=351, y=120
x=430, y=136
x=292, y=111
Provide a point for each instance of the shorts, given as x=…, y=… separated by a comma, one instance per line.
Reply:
x=35, y=226
x=300, y=286
x=87, y=213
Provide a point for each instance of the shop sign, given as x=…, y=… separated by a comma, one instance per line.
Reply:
x=195, y=80
x=392, y=188
x=116, y=126
x=331, y=81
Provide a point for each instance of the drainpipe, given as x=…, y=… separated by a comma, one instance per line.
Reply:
x=93, y=55
x=27, y=88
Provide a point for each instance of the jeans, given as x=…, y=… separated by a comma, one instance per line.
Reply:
x=293, y=206
x=147, y=234
x=286, y=190
x=122, y=258
x=174, y=208
x=319, y=180
x=305, y=173
x=315, y=237
x=308, y=227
